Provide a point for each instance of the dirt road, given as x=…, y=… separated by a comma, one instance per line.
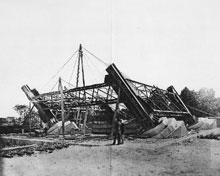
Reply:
x=135, y=157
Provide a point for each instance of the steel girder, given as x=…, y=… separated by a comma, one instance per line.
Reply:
x=92, y=95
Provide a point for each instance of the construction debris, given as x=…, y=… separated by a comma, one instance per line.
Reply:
x=167, y=128
x=70, y=128
x=204, y=124
x=147, y=104
x=158, y=113
x=31, y=149
x=151, y=112
x=17, y=147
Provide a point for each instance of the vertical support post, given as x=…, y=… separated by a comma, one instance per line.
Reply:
x=62, y=105
x=77, y=116
x=108, y=93
x=78, y=67
x=116, y=109
x=83, y=73
x=85, y=119
x=81, y=57
x=29, y=114
x=30, y=109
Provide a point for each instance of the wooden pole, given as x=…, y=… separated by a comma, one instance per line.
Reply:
x=115, y=114
x=30, y=116
x=77, y=117
x=85, y=119
x=62, y=106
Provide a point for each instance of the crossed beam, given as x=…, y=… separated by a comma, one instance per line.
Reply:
x=162, y=102
x=96, y=94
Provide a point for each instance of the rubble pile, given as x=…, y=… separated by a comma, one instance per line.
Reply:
x=210, y=136
x=172, y=128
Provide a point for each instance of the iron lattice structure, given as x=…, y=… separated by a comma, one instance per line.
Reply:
x=144, y=102
x=92, y=95
x=162, y=103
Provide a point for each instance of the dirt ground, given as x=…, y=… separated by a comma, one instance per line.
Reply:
x=135, y=157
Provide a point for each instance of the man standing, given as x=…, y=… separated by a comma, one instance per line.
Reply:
x=123, y=122
x=117, y=132
x=122, y=131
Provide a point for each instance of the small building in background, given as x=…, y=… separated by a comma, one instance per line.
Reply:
x=3, y=121
x=11, y=120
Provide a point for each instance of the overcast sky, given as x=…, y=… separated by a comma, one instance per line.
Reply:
x=156, y=42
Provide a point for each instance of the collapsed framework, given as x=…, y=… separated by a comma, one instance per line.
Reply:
x=147, y=104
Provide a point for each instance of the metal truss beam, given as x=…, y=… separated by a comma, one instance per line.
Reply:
x=92, y=95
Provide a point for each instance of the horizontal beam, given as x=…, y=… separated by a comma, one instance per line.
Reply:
x=170, y=113
x=94, y=86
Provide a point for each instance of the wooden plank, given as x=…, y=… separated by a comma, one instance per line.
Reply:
x=17, y=147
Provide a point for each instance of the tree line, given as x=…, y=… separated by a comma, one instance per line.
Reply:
x=202, y=103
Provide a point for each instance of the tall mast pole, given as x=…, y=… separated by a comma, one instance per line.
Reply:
x=80, y=59
x=78, y=67
x=83, y=76
x=60, y=87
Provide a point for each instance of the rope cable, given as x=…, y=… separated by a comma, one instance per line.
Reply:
x=90, y=60
x=60, y=69
x=100, y=60
x=67, y=82
x=73, y=71
x=54, y=86
x=94, y=77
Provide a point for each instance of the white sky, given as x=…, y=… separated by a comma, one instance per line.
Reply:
x=156, y=42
